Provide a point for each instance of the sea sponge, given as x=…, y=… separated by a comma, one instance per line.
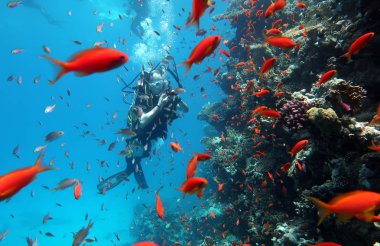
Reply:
x=323, y=118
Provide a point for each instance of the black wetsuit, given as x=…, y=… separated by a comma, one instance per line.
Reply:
x=158, y=128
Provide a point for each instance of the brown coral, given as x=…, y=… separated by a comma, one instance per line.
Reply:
x=349, y=93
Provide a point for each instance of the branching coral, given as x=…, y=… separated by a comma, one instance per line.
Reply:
x=294, y=114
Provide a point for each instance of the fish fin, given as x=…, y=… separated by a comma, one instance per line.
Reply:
x=347, y=56
x=188, y=65
x=344, y=217
x=62, y=65
x=369, y=213
x=200, y=192
x=81, y=74
x=39, y=164
x=323, y=209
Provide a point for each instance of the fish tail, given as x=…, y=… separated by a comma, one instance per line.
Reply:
x=62, y=65
x=188, y=65
x=39, y=166
x=181, y=189
x=347, y=56
x=261, y=74
x=323, y=209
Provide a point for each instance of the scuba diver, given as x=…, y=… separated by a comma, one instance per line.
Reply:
x=155, y=105
x=141, y=9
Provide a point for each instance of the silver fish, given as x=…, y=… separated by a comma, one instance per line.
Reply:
x=81, y=235
x=65, y=183
x=53, y=135
x=46, y=218
x=15, y=151
x=3, y=235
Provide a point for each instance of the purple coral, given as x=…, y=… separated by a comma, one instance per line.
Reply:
x=294, y=114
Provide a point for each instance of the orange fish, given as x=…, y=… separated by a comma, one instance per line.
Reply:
x=301, y=5
x=224, y=52
x=199, y=8
x=13, y=182
x=267, y=66
x=358, y=44
x=159, y=208
x=212, y=214
x=146, y=243
x=269, y=113
x=270, y=10
x=376, y=120
x=274, y=31
x=374, y=147
x=86, y=62
x=192, y=167
x=348, y=205
x=175, y=147
x=203, y=49
x=275, y=7
x=258, y=109
x=261, y=93
x=78, y=190
x=326, y=77
x=194, y=185
x=203, y=157
x=298, y=147
x=280, y=42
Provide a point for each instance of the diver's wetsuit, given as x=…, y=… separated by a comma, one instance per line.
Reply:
x=153, y=131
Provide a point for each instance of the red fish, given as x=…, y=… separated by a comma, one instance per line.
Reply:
x=194, y=185
x=301, y=5
x=326, y=77
x=261, y=93
x=258, y=109
x=78, y=190
x=205, y=48
x=275, y=7
x=212, y=214
x=376, y=119
x=146, y=243
x=203, y=157
x=348, y=205
x=90, y=61
x=13, y=182
x=374, y=147
x=269, y=113
x=175, y=147
x=274, y=31
x=280, y=42
x=358, y=44
x=298, y=147
x=192, y=167
x=199, y=8
x=159, y=208
x=224, y=52
x=267, y=66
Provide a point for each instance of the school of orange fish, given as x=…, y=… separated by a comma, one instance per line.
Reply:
x=359, y=204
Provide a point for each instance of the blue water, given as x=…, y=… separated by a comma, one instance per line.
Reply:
x=23, y=105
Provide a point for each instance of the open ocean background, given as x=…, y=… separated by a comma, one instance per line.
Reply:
x=23, y=105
